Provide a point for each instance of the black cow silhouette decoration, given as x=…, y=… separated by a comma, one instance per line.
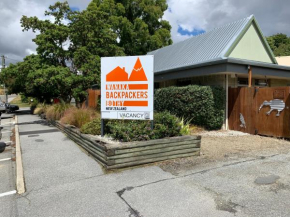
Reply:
x=275, y=104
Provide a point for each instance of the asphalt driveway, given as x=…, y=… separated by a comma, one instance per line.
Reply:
x=62, y=180
x=7, y=169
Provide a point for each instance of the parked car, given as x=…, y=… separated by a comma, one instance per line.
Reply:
x=2, y=107
x=11, y=108
x=7, y=107
x=2, y=146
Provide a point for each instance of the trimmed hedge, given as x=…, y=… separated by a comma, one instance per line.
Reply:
x=165, y=125
x=202, y=105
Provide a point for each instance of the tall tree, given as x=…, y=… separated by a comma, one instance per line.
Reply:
x=36, y=79
x=280, y=44
x=92, y=38
x=70, y=45
x=138, y=24
x=15, y=75
x=74, y=41
x=53, y=38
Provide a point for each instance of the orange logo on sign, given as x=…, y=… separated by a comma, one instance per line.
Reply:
x=120, y=75
x=123, y=95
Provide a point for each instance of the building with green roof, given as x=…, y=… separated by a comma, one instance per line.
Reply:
x=233, y=55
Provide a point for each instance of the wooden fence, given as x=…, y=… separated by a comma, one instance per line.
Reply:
x=92, y=99
x=250, y=110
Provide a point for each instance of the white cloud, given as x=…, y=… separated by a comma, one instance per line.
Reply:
x=14, y=43
x=29, y=51
x=273, y=16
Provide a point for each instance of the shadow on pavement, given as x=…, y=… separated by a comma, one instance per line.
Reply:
x=6, y=117
x=23, y=112
x=28, y=112
x=42, y=122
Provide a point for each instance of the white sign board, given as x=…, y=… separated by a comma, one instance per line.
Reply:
x=127, y=85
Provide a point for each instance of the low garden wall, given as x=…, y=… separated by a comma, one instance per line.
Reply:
x=113, y=155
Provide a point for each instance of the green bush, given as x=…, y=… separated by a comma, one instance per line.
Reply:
x=165, y=125
x=185, y=128
x=24, y=98
x=93, y=127
x=33, y=103
x=125, y=130
x=203, y=105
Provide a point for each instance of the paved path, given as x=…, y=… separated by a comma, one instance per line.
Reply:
x=7, y=168
x=10, y=97
x=61, y=180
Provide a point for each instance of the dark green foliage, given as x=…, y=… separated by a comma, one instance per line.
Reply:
x=24, y=99
x=280, y=44
x=217, y=114
x=15, y=76
x=283, y=50
x=138, y=24
x=70, y=45
x=129, y=130
x=165, y=125
x=93, y=127
x=203, y=105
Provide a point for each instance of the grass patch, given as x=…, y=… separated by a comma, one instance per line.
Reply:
x=2, y=92
x=17, y=101
x=79, y=117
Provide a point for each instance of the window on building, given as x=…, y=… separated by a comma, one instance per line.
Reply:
x=261, y=82
x=243, y=82
x=183, y=82
x=156, y=85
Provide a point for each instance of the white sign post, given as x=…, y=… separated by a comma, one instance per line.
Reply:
x=127, y=87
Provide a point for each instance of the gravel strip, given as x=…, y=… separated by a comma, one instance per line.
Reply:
x=222, y=133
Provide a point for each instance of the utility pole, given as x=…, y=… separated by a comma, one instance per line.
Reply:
x=3, y=61
x=3, y=67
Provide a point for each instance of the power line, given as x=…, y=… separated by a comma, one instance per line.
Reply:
x=3, y=67
x=13, y=59
x=3, y=61
x=6, y=57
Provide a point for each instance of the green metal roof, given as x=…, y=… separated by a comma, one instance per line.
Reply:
x=216, y=44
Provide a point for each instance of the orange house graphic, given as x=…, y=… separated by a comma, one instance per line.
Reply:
x=117, y=74
x=120, y=75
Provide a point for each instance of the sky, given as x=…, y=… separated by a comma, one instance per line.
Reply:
x=187, y=18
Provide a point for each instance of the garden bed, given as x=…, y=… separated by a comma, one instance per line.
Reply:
x=114, y=155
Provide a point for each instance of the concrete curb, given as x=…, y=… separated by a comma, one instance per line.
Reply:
x=20, y=186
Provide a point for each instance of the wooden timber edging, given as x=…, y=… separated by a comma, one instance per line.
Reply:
x=115, y=155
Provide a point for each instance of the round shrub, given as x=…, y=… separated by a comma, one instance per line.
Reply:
x=203, y=105
x=165, y=125
x=127, y=130
x=93, y=127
